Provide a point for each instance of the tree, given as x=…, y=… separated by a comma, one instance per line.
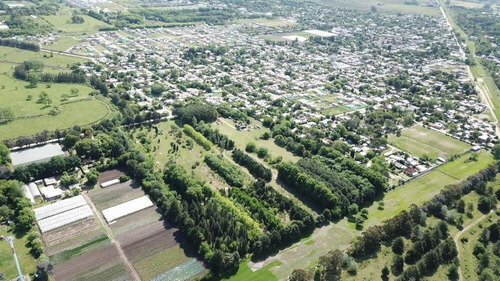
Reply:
x=398, y=246
x=300, y=275
x=251, y=147
x=453, y=272
x=374, y=10
x=485, y=204
x=92, y=177
x=385, y=273
x=43, y=270
x=262, y=152
x=331, y=265
x=397, y=265
x=73, y=92
x=33, y=78
x=77, y=19
x=496, y=151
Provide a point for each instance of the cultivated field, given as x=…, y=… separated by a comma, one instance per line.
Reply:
x=115, y=195
x=421, y=141
x=63, y=23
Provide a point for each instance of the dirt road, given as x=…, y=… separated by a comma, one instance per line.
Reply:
x=124, y=258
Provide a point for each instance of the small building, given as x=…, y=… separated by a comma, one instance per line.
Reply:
x=411, y=172
x=27, y=194
x=50, y=181
x=34, y=190
x=400, y=166
x=50, y=192
x=475, y=148
x=110, y=183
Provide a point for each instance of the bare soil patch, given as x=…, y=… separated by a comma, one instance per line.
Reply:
x=110, y=175
x=116, y=194
x=68, y=232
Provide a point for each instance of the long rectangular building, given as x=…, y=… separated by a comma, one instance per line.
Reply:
x=59, y=207
x=65, y=218
x=127, y=208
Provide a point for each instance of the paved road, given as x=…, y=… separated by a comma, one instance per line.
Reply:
x=481, y=88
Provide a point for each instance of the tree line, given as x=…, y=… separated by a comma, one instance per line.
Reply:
x=257, y=169
x=232, y=174
x=20, y=44
x=215, y=136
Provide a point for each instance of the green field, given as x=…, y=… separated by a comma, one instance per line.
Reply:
x=264, y=21
x=385, y=6
x=9, y=57
x=7, y=265
x=63, y=23
x=63, y=43
x=425, y=187
x=421, y=141
x=245, y=273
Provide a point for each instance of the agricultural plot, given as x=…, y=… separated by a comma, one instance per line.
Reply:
x=63, y=23
x=63, y=43
x=421, y=141
x=150, y=244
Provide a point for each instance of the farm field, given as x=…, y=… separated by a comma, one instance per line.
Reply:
x=7, y=265
x=115, y=195
x=63, y=23
x=385, y=6
x=63, y=43
x=421, y=141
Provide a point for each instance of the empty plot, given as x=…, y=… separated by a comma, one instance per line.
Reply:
x=421, y=141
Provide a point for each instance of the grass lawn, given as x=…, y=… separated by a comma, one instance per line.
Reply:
x=245, y=273
x=7, y=265
x=11, y=56
x=79, y=113
x=64, y=24
x=421, y=141
x=385, y=6
x=425, y=187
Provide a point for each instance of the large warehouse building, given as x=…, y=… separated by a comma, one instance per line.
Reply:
x=127, y=208
x=36, y=154
x=62, y=213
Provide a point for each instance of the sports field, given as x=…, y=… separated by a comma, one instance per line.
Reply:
x=421, y=141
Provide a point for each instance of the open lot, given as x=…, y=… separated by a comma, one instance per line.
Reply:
x=421, y=141
x=425, y=187
x=11, y=56
x=63, y=23
x=385, y=6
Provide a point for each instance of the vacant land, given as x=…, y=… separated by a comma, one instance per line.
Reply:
x=425, y=187
x=63, y=23
x=421, y=141
x=7, y=265
x=385, y=6
x=63, y=43
x=12, y=56
x=78, y=113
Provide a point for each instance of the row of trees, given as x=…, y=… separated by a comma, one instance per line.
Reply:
x=196, y=112
x=215, y=136
x=257, y=169
x=56, y=165
x=229, y=172
x=198, y=137
x=20, y=44
x=23, y=72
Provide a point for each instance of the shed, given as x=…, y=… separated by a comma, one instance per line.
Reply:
x=110, y=183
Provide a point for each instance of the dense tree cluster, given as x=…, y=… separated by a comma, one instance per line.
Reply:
x=232, y=174
x=215, y=136
x=196, y=112
x=14, y=206
x=198, y=137
x=20, y=44
x=310, y=188
x=215, y=226
x=23, y=72
x=56, y=165
x=257, y=169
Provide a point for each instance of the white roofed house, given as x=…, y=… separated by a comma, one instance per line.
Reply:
x=50, y=192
